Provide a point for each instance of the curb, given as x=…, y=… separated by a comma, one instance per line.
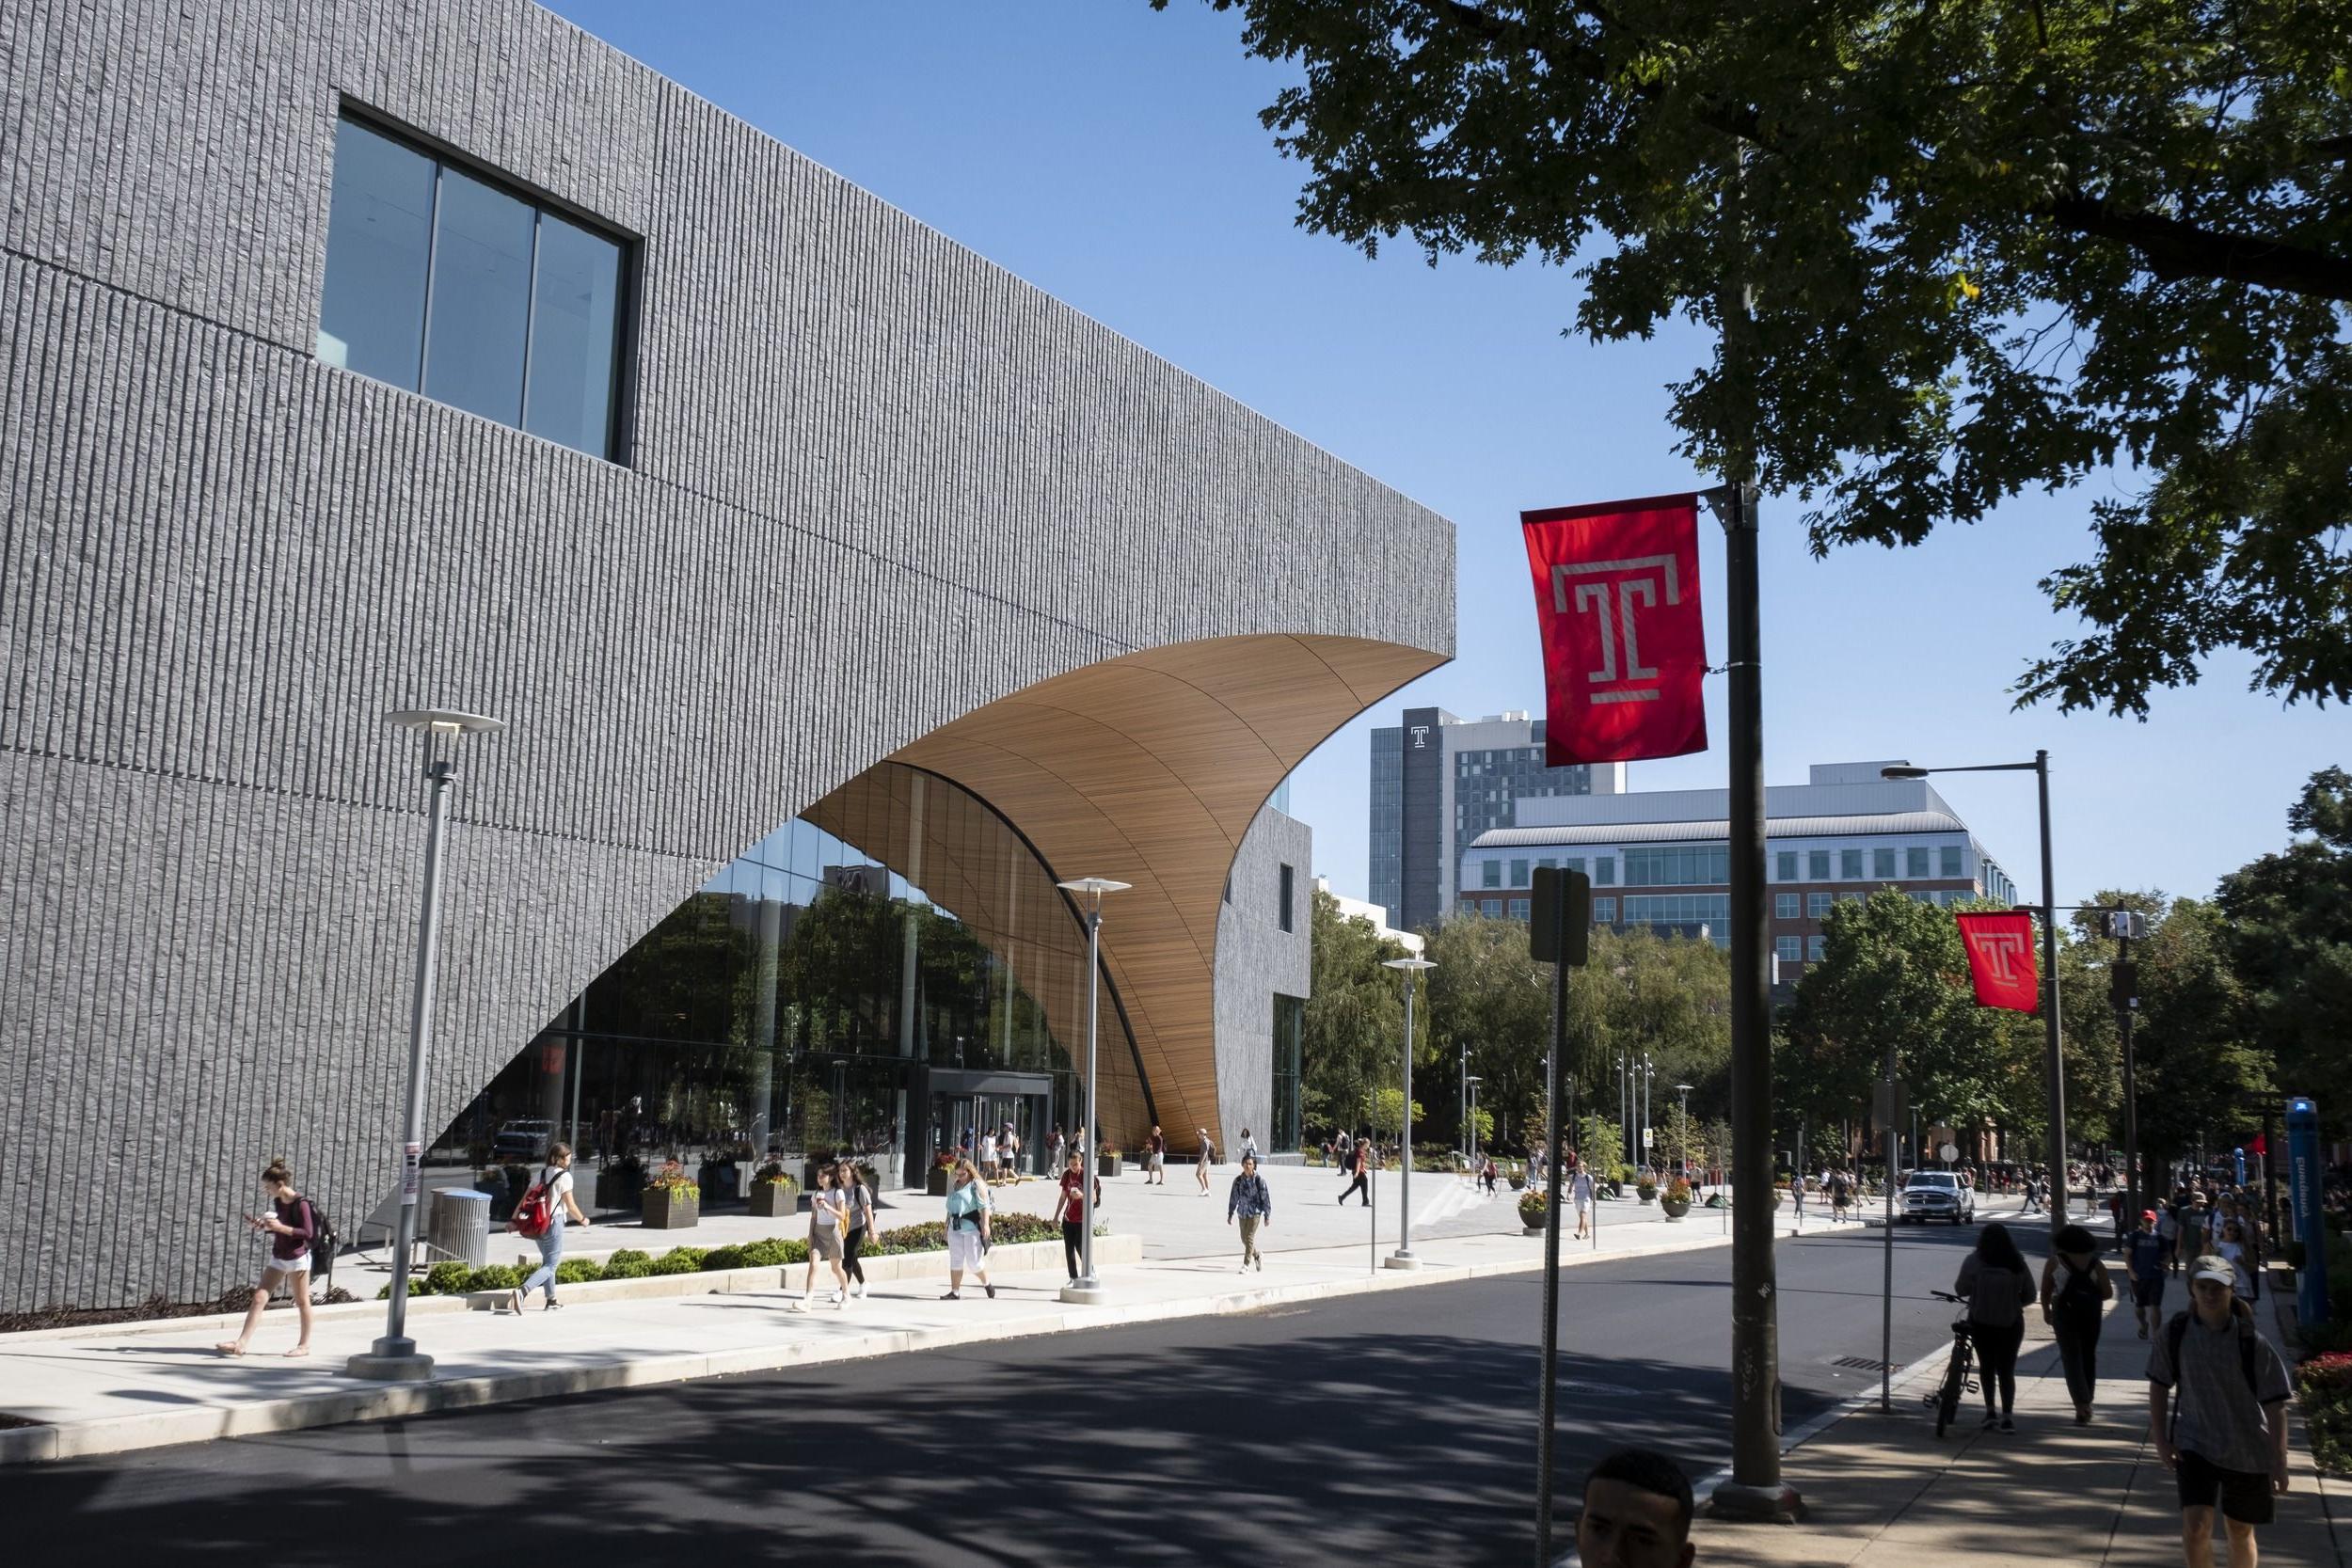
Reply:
x=394, y=1402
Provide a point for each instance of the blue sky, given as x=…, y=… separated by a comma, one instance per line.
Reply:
x=1112, y=156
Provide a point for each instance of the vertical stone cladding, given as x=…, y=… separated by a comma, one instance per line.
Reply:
x=871, y=483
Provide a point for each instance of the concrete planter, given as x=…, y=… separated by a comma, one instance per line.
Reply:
x=664, y=1208
x=936, y=1183
x=1110, y=1165
x=775, y=1199
x=1675, y=1208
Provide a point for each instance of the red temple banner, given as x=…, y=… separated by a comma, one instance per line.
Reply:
x=1617, y=601
x=2001, y=960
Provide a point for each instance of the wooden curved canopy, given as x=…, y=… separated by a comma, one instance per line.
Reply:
x=1149, y=768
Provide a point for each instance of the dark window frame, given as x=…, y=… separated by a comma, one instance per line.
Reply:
x=628, y=295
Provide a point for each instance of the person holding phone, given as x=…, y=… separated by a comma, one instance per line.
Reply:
x=290, y=1226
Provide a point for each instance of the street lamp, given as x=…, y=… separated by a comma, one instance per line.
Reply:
x=1403, y=1257
x=2053, y=1067
x=394, y=1357
x=1471, y=1117
x=1087, y=1289
x=1682, y=1151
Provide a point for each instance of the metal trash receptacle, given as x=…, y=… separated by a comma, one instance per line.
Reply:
x=459, y=1226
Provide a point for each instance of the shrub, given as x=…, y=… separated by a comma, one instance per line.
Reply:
x=442, y=1279
x=494, y=1276
x=2325, y=1385
x=680, y=1259
x=576, y=1271
x=720, y=1259
x=628, y=1264
x=763, y=1254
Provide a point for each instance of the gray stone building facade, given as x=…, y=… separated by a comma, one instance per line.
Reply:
x=864, y=497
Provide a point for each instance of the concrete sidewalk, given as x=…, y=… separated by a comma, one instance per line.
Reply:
x=140, y=1385
x=1881, y=1490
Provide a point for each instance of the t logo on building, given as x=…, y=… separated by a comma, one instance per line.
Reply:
x=1420, y=736
x=2001, y=960
x=1617, y=601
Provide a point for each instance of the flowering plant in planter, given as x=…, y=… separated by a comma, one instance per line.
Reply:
x=1532, y=1207
x=1677, y=1191
x=680, y=1187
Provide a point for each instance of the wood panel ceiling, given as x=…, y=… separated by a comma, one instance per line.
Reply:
x=1149, y=768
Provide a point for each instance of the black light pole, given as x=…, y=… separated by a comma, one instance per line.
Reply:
x=2054, y=1066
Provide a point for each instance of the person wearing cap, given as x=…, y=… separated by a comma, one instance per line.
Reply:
x=2217, y=1404
x=2075, y=1291
x=2148, y=1258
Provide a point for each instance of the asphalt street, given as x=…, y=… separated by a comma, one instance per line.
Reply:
x=1331, y=1433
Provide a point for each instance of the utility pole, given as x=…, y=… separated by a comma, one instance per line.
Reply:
x=1755, y=1489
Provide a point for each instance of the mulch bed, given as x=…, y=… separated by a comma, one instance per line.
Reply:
x=150, y=1310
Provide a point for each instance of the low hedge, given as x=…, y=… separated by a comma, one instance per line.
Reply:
x=449, y=1279
x=2325, y=1385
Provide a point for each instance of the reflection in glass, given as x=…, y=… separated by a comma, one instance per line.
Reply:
x=574, y=304
x=922, y=985
x=480, y=316
x=379, y=237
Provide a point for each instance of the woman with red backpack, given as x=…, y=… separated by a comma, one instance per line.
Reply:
x=541, y=1216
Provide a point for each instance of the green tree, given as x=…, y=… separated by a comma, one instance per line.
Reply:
x=2289, y=929
x=1354, y=1018
x=2197, y=1062
x=1991, y=248
x=1598, y=1145
x=1894, y=975
x=1388, y=1101
x=1487, y=993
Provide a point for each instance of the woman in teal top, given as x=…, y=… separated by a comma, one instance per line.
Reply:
x=967, y=1230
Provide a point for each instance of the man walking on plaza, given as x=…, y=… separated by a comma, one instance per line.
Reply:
x=1155, y=1157
x=1359, y=1168
x=1581, y=1192
x=1250, y=1203
x=2216, y=1404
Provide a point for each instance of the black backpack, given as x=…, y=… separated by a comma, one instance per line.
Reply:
x=2248, y=1342
x=322, y=1242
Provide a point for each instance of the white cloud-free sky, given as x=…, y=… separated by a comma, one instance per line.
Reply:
x=1112, y=156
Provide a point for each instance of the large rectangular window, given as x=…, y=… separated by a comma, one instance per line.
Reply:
x=1883, y=865
x=1816, y=865
x=1678, y=909
x=1785, y=866
x=1789, y=948
x=1678, y=865
x=1290, y=879
x=1490, y=873
x=1785, y=906
x=1520, y=907
x=1914, y=862
x=1290, y=1033
x=1816, y=905
x=1850, y=865
x=1518, y=874
x=441, y=281
x=1949, y=854
x=1604, y=871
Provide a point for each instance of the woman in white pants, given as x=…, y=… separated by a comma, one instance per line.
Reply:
x=967, y=1232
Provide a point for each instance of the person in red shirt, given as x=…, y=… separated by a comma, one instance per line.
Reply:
x=1070, y=1207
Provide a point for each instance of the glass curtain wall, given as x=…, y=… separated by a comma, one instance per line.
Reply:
x=869, y=980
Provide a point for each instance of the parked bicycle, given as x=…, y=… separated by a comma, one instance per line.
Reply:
x=1957, y=1378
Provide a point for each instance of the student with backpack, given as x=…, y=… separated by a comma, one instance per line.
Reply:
x=541, y=1216
x=857, y=1202
x=2075, y=1291
x=2216, y=1404
x=291, y=1223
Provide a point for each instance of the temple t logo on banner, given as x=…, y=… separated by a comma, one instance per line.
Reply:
x=1617, y=604
x=2001, y=960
